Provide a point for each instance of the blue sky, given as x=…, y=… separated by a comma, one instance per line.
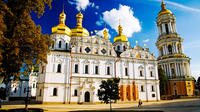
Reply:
x=140, y=16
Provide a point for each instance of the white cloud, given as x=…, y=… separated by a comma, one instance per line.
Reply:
x=81, y=4
x=181, y=6
x=100, y=32
x=129, y=23
x=96, y=13
x=147, y=40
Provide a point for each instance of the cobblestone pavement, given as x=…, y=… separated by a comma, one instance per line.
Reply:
x=178, y=105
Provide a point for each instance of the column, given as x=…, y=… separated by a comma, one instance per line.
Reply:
x=165, y=70
x=187, y=65
x=176, y=47
x=170, y=27
x=180, y=69
x=173, y=48
x=159, y=30
x=175, y=27
x=163, y=50
x=163, y=29
x=172, y=24
x=170, y=72
x=176, y=69
x=183, y=67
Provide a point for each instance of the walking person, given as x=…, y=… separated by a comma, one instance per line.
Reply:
x=139, y=103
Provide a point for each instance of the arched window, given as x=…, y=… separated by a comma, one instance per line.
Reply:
x=86, y=69
x=15, y=90
x=59, y=68
x=33, y=85
x=40, y=92
x=75, y=93
x=142, y=88
x=108, y=70
x=126, y=71
x=141, y=74
x=167, y=29
x=54, y=91
x=124, y=48
x=151, y=73
x=118, y=47
x=24, y=90
x=152, y=88
x=60, y=44
x=80, y=49
x=170, y=49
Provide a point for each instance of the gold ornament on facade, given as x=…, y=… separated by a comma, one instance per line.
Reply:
x=105, y=33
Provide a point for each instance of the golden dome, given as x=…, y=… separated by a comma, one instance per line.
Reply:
x=61, y=27
x=120, y=36
x=79, y=30
x=164, y=10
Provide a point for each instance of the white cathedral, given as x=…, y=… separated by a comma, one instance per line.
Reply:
x=78, y=62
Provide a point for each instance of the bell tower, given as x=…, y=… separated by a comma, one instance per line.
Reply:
x=121, y=42
x=171, y=56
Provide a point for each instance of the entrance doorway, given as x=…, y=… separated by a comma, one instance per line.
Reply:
x=87, y=96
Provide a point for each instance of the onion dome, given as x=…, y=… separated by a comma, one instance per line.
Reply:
x=79, y=30
x=164, y=10
x=120, y=37
x=61, y=27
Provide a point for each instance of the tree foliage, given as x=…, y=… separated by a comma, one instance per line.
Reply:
x=198, y=84
x=109, y=90
x=163, y=81
x=3, y=93
x=22, y=44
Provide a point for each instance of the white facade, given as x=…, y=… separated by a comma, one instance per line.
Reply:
x=70, y=85
x=20, y=88
x=77, y=64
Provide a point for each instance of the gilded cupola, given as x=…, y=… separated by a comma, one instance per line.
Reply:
x=61, y=27
x=164, y=10
x=79, y=30
x=120, y=36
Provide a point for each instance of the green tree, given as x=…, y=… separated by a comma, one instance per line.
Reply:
x=22, y=44
x=109, y=91
x=198, y=83
x=163, y=81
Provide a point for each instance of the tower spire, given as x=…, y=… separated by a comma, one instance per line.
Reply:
x=105, y=33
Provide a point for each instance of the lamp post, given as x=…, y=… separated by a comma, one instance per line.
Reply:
x=27, y=98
